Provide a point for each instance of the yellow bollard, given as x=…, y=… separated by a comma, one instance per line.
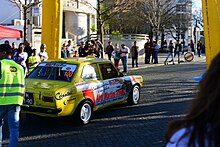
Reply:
x=52, y=15
x=211, y=18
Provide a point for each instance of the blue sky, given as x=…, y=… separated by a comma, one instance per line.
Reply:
x=197, y=3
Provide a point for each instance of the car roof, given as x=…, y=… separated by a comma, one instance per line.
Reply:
x=80, y=60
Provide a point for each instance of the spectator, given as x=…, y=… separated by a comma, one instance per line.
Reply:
x=156, y=47
x=21, y=57
x=95, y=49
x=165, y=45
x=152, y=51
x=28, y=48
x=33, y=60
x=124, y=57
x=147, y=51
x=170, y=53
x=109, y=49
x=177, y=51
x=81, y=50
x=199, y=48
x=70, y=48
x=92, y=51
x=87, y=46
x=134, y=54
x=201, y=125
x=12, y=93
x=14, y=48
x=43, y=54
x=64, y=51
x=116, y=55
x=6, y=42
x=192, y=46
x=99, y=47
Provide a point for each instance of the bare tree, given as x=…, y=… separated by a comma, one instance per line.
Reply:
x=106, y=9
x=197, y=20
x=25, y=9
x=157, y=14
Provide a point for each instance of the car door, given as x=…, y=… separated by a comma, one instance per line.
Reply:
x=114, y=90
x=92, y=86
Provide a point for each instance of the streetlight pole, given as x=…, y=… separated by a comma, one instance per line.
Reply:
x=25, y=19
x=99, y=23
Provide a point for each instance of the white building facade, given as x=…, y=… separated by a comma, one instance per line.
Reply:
x=79, y=16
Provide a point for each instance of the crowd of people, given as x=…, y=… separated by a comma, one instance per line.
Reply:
x=121, y=53
x=88, y=48
x=174, y=49
x=27, y=57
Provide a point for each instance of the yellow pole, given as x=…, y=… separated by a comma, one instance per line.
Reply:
x=211, y=18
x=52, y=14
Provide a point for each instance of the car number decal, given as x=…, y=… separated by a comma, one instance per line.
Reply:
x=68, y=74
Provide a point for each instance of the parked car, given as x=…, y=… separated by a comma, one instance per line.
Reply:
x=77, y=87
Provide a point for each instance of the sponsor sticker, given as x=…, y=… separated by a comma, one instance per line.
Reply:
x=12, y=69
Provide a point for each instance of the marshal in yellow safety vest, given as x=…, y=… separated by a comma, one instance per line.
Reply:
x=11, y=83
x=33, y=61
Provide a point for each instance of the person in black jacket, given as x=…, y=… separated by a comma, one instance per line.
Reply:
x=177, y=51
x=170, y=53
x=82, y=50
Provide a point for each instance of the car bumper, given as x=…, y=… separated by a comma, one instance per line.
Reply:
x=43, y=111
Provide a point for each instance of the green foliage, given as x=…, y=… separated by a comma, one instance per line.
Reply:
x=116, y=35
x=93, y=28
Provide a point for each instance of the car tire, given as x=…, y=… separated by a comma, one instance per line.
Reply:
x=84, y=113
x=134, y=95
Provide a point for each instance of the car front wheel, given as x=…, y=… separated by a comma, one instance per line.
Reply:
x=84, y=113
x=134, y=95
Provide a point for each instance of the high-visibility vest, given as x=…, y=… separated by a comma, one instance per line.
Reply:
x=11, y=83
x=33, y=59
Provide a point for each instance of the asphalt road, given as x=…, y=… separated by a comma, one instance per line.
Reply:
x=165, y=96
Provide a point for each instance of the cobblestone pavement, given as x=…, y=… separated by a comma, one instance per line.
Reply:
x=165, y=96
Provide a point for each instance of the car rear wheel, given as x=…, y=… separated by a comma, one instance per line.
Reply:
x=134, y=95
x=84, y=113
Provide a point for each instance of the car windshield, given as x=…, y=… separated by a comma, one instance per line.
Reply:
x=54, y=71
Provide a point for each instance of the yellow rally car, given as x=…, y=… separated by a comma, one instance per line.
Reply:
x=78, y=87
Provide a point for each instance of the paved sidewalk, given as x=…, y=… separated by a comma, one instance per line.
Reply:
x=161, y=59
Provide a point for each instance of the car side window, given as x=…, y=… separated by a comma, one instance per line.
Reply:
x=108, y=71
x=90, y=72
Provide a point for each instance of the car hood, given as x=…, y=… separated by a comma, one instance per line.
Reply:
x=45, y=84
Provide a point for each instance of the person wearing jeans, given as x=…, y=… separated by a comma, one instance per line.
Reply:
x=170, y=53
x=124, y=57
x=11, y=93
x=156, y=47
x=116, y=55
x=12, y=112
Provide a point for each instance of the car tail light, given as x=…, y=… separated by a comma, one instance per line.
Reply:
x=47, y=99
